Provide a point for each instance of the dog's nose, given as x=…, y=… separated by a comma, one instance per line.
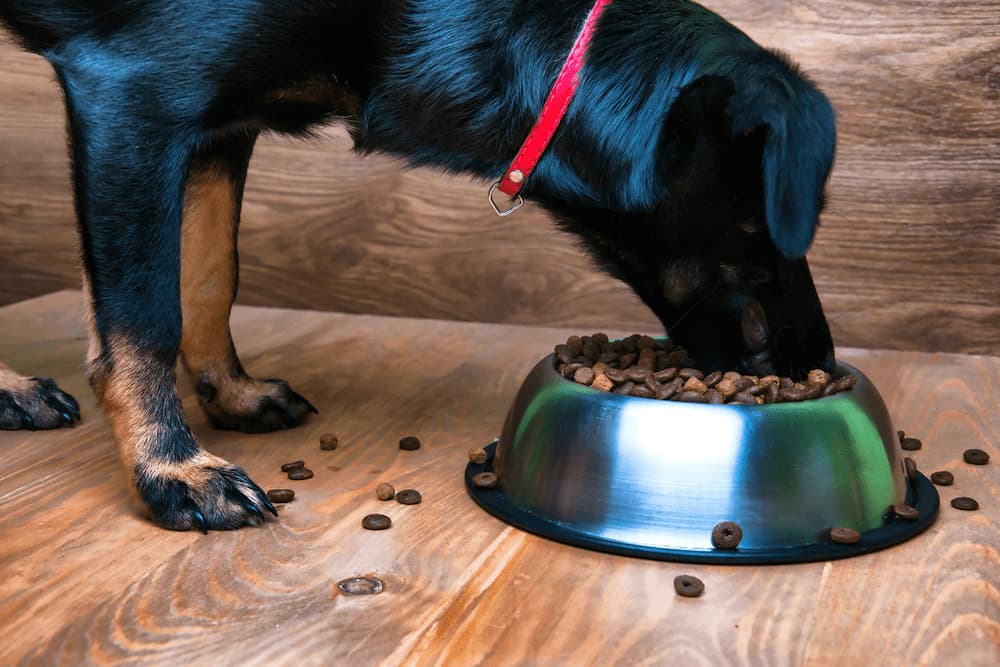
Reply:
x=754, y=326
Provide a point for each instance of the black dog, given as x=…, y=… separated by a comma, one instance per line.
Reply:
x=691, y=163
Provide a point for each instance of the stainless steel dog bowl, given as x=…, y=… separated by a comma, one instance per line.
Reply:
x=652, y=478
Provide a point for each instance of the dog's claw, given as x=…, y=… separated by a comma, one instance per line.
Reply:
x=27, y=421
x=200, y=519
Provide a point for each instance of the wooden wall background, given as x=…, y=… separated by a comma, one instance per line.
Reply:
x=907, y=256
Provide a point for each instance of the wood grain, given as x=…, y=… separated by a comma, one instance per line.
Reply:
x=86, y=581
x=907, y=256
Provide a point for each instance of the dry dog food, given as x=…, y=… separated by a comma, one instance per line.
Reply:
x=477, y=455
x=485, y=480
x=964, y=503
x=727, y=535
x=328, y=442
x=911, y=467
x=942, y=478
x=645, y=367
x=688, y=586
x=845, y=535
x=288, y=467
x=409, y=497
x=385, y=491
x=976, y=457
x=300, y=473
x=910, y=444
x=904, y=511
x=409, y=443
x=280, y=495
x=376, y=522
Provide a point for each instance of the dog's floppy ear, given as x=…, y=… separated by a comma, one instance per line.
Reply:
x=800, y=140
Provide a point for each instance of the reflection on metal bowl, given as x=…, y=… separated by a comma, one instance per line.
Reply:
x=651, y=478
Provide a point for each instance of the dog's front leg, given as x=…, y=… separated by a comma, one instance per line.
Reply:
x=130, y=161
x=209, y=276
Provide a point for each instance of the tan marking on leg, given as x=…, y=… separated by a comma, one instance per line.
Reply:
x=209, y=275
x=12, y=381
x=125, y=390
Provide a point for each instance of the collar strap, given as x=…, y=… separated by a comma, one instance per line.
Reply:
x=548, y=121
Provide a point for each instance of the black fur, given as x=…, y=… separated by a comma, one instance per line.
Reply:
x=691, y=163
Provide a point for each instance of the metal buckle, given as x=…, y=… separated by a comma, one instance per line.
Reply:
x=517, y=202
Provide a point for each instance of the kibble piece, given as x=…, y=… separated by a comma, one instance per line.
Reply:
x=280, y=495
x=385, y=491
x=714, y=397
x=300, y=473
x=743, y=398
x=845, y=535
x=485, y=480
x=376, y=522
x=911, y=468
x=646, y=343
x=643, y=391
x=906, y=512
x=477, y=455
x=976, y=457
x=637, y=374
x=910, y=444
x=409, y=443
x=690, y=373
x=692, y=397
x=942, y=478
x=964, y=503
x=694, y=384
x=819, y=377
x=732, y=376
x=726, y=387
x=575, y=345
x=625, y=389
x=727, y=535
x=328, y=442
x=569, y=370
x=584, y=375
x=288, y=467
x=688, y=586
x=844, y=383
x=563, y=354
x=666, y=375
x=603, y=383
x=409, y=497
x=768, y=380
x=901, y=435
x=712, y=379
x=616, y=375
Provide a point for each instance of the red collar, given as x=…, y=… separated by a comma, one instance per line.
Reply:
x=548, y=122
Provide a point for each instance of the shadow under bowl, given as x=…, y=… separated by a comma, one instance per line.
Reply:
x=652, y=478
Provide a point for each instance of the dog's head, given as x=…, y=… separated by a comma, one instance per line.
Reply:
x=720, y=260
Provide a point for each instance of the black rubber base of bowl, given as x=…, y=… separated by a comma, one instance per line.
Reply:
x=921, y=494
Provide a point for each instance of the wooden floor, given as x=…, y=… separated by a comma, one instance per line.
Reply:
x=83, y=579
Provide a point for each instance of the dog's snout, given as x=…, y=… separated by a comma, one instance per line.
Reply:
x=754, y=326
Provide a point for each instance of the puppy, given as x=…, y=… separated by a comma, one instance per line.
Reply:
x=691, y=165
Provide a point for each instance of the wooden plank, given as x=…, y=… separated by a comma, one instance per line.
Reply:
x=907, y=257
x=87, y=581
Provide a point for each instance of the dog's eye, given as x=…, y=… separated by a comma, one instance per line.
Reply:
x=749, y=226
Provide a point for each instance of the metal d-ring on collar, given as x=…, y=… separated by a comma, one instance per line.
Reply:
x=548, y=121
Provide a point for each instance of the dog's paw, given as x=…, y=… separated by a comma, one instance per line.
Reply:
x=34, y=403
x=253, y=406
x=203, y=493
